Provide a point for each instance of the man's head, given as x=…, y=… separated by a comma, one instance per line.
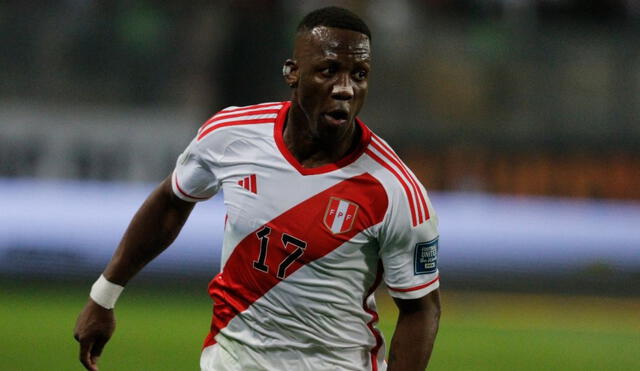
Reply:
x=330, y=68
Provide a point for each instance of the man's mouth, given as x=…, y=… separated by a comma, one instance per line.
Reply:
x=337, y=117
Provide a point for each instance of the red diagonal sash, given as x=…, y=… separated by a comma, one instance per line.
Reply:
x=239, y=285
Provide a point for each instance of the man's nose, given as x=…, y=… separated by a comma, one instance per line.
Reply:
x=343, y=88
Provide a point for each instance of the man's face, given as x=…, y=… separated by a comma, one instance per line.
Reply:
x=333, y=67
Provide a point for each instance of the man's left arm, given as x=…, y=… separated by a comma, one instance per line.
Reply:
x=415, y=332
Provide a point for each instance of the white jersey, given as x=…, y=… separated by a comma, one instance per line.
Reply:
x=305, y=248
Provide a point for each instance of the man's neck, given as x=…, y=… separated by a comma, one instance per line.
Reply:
x=312, y=150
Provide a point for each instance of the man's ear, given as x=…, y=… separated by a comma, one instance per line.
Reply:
x=290, y=72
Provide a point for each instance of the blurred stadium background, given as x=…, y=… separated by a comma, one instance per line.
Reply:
x=522, y=118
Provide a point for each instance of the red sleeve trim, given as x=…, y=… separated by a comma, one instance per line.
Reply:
x=416, y=287
x=175, y=177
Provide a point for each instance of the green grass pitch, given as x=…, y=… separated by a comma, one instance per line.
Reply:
x=164, y=329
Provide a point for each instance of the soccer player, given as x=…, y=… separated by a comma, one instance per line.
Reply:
x=320, y=210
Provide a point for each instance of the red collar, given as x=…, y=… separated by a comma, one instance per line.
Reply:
x=347, y=160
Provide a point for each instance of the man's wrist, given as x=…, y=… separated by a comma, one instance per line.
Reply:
x=105, y=293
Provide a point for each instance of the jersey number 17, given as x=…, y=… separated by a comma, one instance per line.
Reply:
x=263, y=236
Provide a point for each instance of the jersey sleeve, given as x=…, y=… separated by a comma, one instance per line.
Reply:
x=409, y=253
x=194, y=177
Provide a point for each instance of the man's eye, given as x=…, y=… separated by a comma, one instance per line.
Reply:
x=361, y=75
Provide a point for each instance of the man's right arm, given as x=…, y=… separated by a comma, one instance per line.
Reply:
x=153, y=228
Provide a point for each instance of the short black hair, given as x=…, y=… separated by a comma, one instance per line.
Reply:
x=333, y=16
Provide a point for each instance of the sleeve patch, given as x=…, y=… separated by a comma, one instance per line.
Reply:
x=426, y=257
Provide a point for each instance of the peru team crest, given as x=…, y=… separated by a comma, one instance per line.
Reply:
x=340, y=215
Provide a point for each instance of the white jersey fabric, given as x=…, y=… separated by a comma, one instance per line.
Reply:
x=305, y=248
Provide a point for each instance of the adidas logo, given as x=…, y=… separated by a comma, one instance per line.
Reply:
x=249, y=183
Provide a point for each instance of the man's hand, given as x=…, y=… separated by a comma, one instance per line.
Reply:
x=153, y=228
x=94, y=328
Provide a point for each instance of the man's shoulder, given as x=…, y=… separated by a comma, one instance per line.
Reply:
x=240, y=118
x=402, y=185
x=385, y=159
x=254, y=107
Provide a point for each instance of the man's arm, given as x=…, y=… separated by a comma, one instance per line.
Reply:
x=152, y=229
x=415, y=333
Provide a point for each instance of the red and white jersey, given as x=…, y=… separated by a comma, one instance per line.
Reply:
x=305, y=248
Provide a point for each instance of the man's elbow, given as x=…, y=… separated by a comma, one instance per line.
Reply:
x=436, y=312
x=432, y=308
x=435, y=318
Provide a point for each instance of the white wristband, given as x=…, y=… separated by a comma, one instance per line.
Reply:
x=105, y=293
